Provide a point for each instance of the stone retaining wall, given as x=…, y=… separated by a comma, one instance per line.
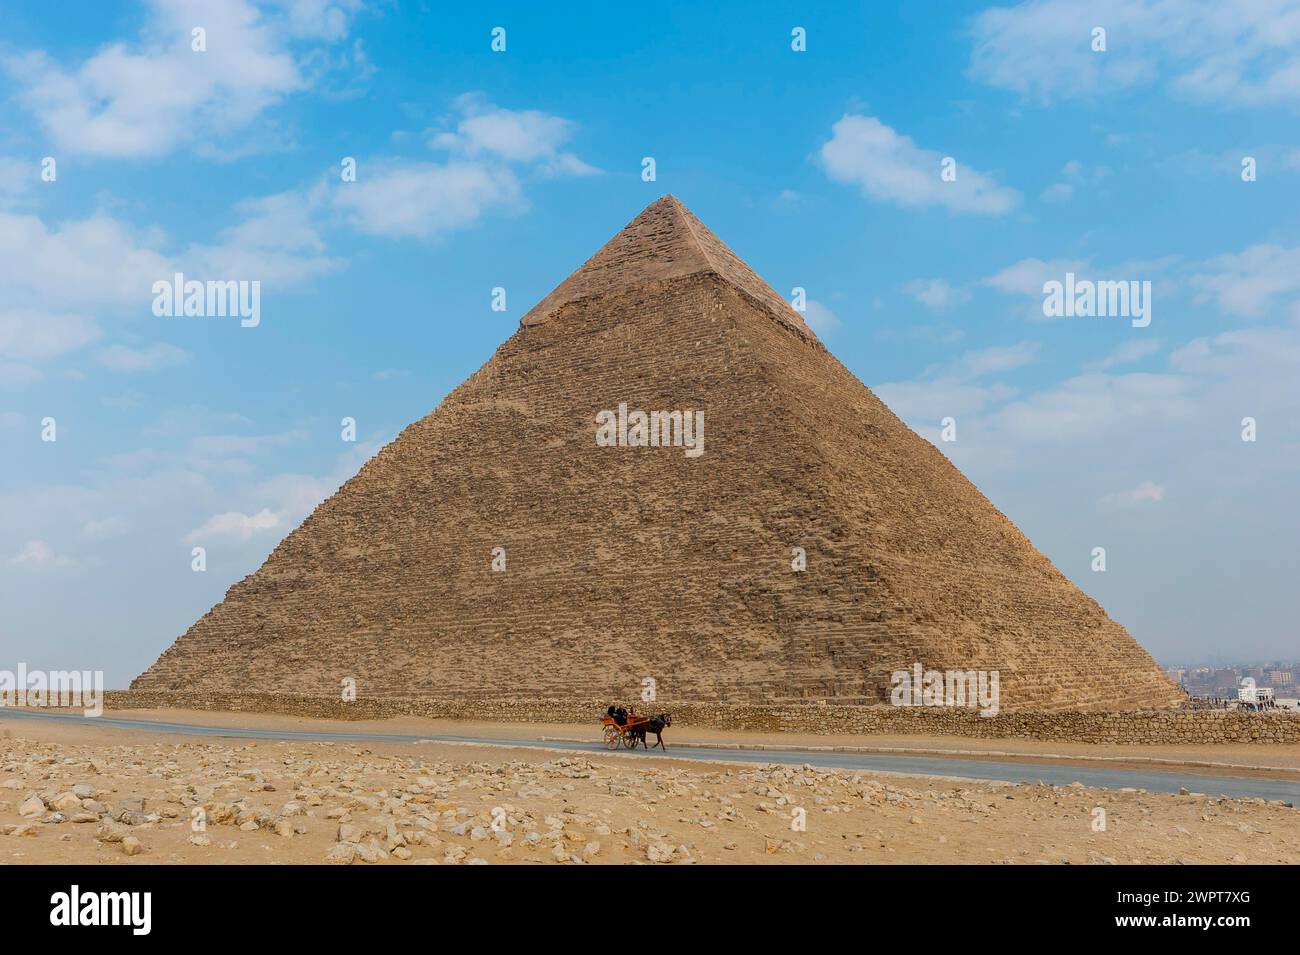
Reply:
x=1155, y=727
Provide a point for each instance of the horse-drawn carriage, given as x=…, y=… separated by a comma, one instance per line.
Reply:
x=627, y=729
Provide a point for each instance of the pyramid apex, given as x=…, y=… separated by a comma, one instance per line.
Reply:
x=665, y=240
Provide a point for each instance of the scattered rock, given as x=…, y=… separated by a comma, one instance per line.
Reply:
x=341, y=853
x=659, y=852
x=349, y=833
x=66, y=802
x=110, y=832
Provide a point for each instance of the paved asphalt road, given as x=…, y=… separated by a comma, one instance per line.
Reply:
x=955, y=767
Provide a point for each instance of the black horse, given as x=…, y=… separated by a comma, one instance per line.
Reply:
x=656, y=725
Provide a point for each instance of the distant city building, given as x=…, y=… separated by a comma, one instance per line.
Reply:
x=1224, y=682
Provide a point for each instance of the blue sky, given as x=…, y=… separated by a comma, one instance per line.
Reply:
x=479, y=169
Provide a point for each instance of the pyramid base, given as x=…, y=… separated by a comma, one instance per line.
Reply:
x=1150, y=727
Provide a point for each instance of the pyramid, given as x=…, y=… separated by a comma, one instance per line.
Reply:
x=627, y=563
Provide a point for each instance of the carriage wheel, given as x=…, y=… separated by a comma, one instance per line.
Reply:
x=612, y=737
x=629, y=740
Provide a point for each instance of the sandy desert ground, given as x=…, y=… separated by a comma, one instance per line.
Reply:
x=78, y=794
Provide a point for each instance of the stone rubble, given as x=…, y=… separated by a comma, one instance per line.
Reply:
x=348, y=805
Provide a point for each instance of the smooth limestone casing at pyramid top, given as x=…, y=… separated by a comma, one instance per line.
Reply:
x=627, y=563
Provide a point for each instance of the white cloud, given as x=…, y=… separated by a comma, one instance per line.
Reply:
x=1250, y=282
x=18, y=375
x=1256, y=283
x=888, y=166
x=181, y=421
x=235, y=525
x=33, y=336
x=1237, y=52
x=1226, y=163
x=57, y=278
x=490, y=148
x=924, y=403
x=1058, y=192
x=938, y=334
x=1088, y=407
x=1127, y=353
x=996, y=359
x=521, y=136
x=288, y=498
x=17, y=179
x=156, y=94
x=225, y=445
x=281, y=238
x=936, y=293
x=820, y=318
x=61, y=281
x=1148, y=492
x=953, y=389
x=422, y=200
x=1267, y=352
x=152, y=358
x=38, y=555
x=1027, y=276
x=104, y=529
x=73, y=270
x=278, y=240
x=1025, y=279
x=326, y=19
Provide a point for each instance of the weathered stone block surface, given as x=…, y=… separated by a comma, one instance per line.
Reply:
x=628, y=563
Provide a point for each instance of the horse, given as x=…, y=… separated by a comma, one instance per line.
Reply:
x=656, y=725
